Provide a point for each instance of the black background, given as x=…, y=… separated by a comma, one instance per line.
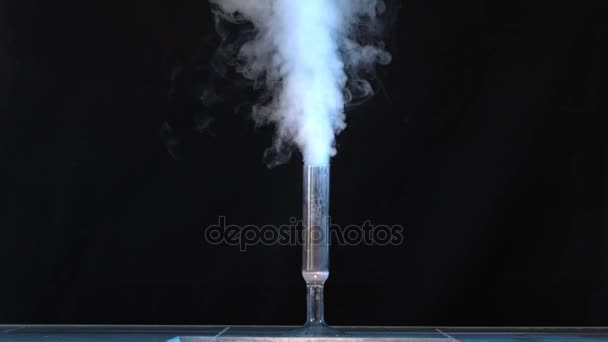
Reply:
x=485, y=143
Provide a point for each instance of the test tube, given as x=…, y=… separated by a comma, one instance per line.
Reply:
x=315, y=251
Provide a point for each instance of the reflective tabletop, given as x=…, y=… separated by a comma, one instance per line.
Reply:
x=157, y=333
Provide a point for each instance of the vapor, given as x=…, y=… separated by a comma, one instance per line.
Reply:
x=310, y=57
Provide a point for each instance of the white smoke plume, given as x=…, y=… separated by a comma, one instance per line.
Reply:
x=311, y=57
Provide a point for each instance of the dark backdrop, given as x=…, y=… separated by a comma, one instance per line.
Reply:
x=486, y=142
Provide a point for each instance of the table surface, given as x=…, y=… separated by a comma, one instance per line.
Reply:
x=157, y=333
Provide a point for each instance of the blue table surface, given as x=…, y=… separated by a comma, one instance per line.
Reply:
x=157, y=333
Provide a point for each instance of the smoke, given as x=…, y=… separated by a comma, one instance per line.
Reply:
x=309, y=58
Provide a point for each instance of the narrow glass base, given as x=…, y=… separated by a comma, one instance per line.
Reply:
x=315, y=329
